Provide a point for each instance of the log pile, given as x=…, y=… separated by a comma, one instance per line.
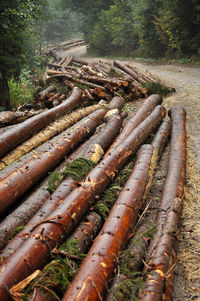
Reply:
x=74, y=185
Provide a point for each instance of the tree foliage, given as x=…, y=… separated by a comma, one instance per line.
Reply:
x=17, y=20
x=148, y=28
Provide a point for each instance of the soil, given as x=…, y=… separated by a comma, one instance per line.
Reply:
x=186, y=80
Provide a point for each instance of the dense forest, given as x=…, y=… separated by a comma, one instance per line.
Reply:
x=115, y=27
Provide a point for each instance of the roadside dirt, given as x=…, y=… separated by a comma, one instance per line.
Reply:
x=186, y=81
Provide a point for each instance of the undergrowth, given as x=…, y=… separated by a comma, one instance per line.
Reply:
x=58, y=274
x=110, y=195
x=128, y=288
x=77, y=169
x=156, y=88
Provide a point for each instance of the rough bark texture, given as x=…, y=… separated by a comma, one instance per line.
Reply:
x=50, y=131
x=161, y=250
x=146, y=109
x=66, y=216
x=21, y=180
x=94, y=152
x=22, y=131
x=91, y=281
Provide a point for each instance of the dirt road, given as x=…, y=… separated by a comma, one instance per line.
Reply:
x=186, y=81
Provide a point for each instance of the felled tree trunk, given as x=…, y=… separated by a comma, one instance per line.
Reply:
x=94, y=152
x=67, y=215
x=22, y=131
x=98, y=267
x=53, y=129
x=162, y=248
x=144, y=111
x=13, y=186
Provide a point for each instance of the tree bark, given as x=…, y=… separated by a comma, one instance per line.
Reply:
x=4, y=91
x=22, y=131
x=67, y=215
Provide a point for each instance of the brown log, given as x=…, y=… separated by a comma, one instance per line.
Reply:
x=84, y=235
x=125, y=69
x=97, y=269
x=161, y=249
x=174, y=183
x=66, y=216
x=16, y=184
x=98, y=144
x=12, y=138
x=68, y=61
x=45, y=92
x=163, y=254
x=56, y=95
x=146, y=109
x=9, y=117
x=80, y=61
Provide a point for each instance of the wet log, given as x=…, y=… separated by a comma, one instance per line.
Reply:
x=138, y=244
x=146, y=109
x=97, y=268
x=84, y=235
x=67, y=215
x=12, y=138
x=45, y=92
x=174, y=183
x=53, y=129
x=163, y=254
x=21, y=180
x=98, y=144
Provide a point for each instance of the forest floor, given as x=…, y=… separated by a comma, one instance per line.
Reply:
x=186, y=80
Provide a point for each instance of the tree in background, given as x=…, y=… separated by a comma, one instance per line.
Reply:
x=17, y=20
x=61, y=22
x=141, y=27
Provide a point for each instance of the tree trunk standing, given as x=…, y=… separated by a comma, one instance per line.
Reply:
x=4, y=91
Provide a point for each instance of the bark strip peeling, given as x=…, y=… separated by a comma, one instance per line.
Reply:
x=25, y=177
x=97, y=270
x=34, y=253
x=162, y=249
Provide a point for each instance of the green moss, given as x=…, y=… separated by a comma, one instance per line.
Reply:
x=114, y=73
x=157, y=88
x=110, y=195
x=127, y=289
x=58, y=274
x=14, y=233
x=77, y=169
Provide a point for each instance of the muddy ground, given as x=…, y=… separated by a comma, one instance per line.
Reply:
x=186, y=81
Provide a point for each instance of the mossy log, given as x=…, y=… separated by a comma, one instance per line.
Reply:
x=174, y=183
x=50, y=131
x=84, y=235
x=145, y=110
x=21, y=180
x=98, y=267
x=159, y=268
x=162, y=247
x=32, y=203
x=67, y=215
x=26, y=129
x=136, y=251
x=94, y=152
